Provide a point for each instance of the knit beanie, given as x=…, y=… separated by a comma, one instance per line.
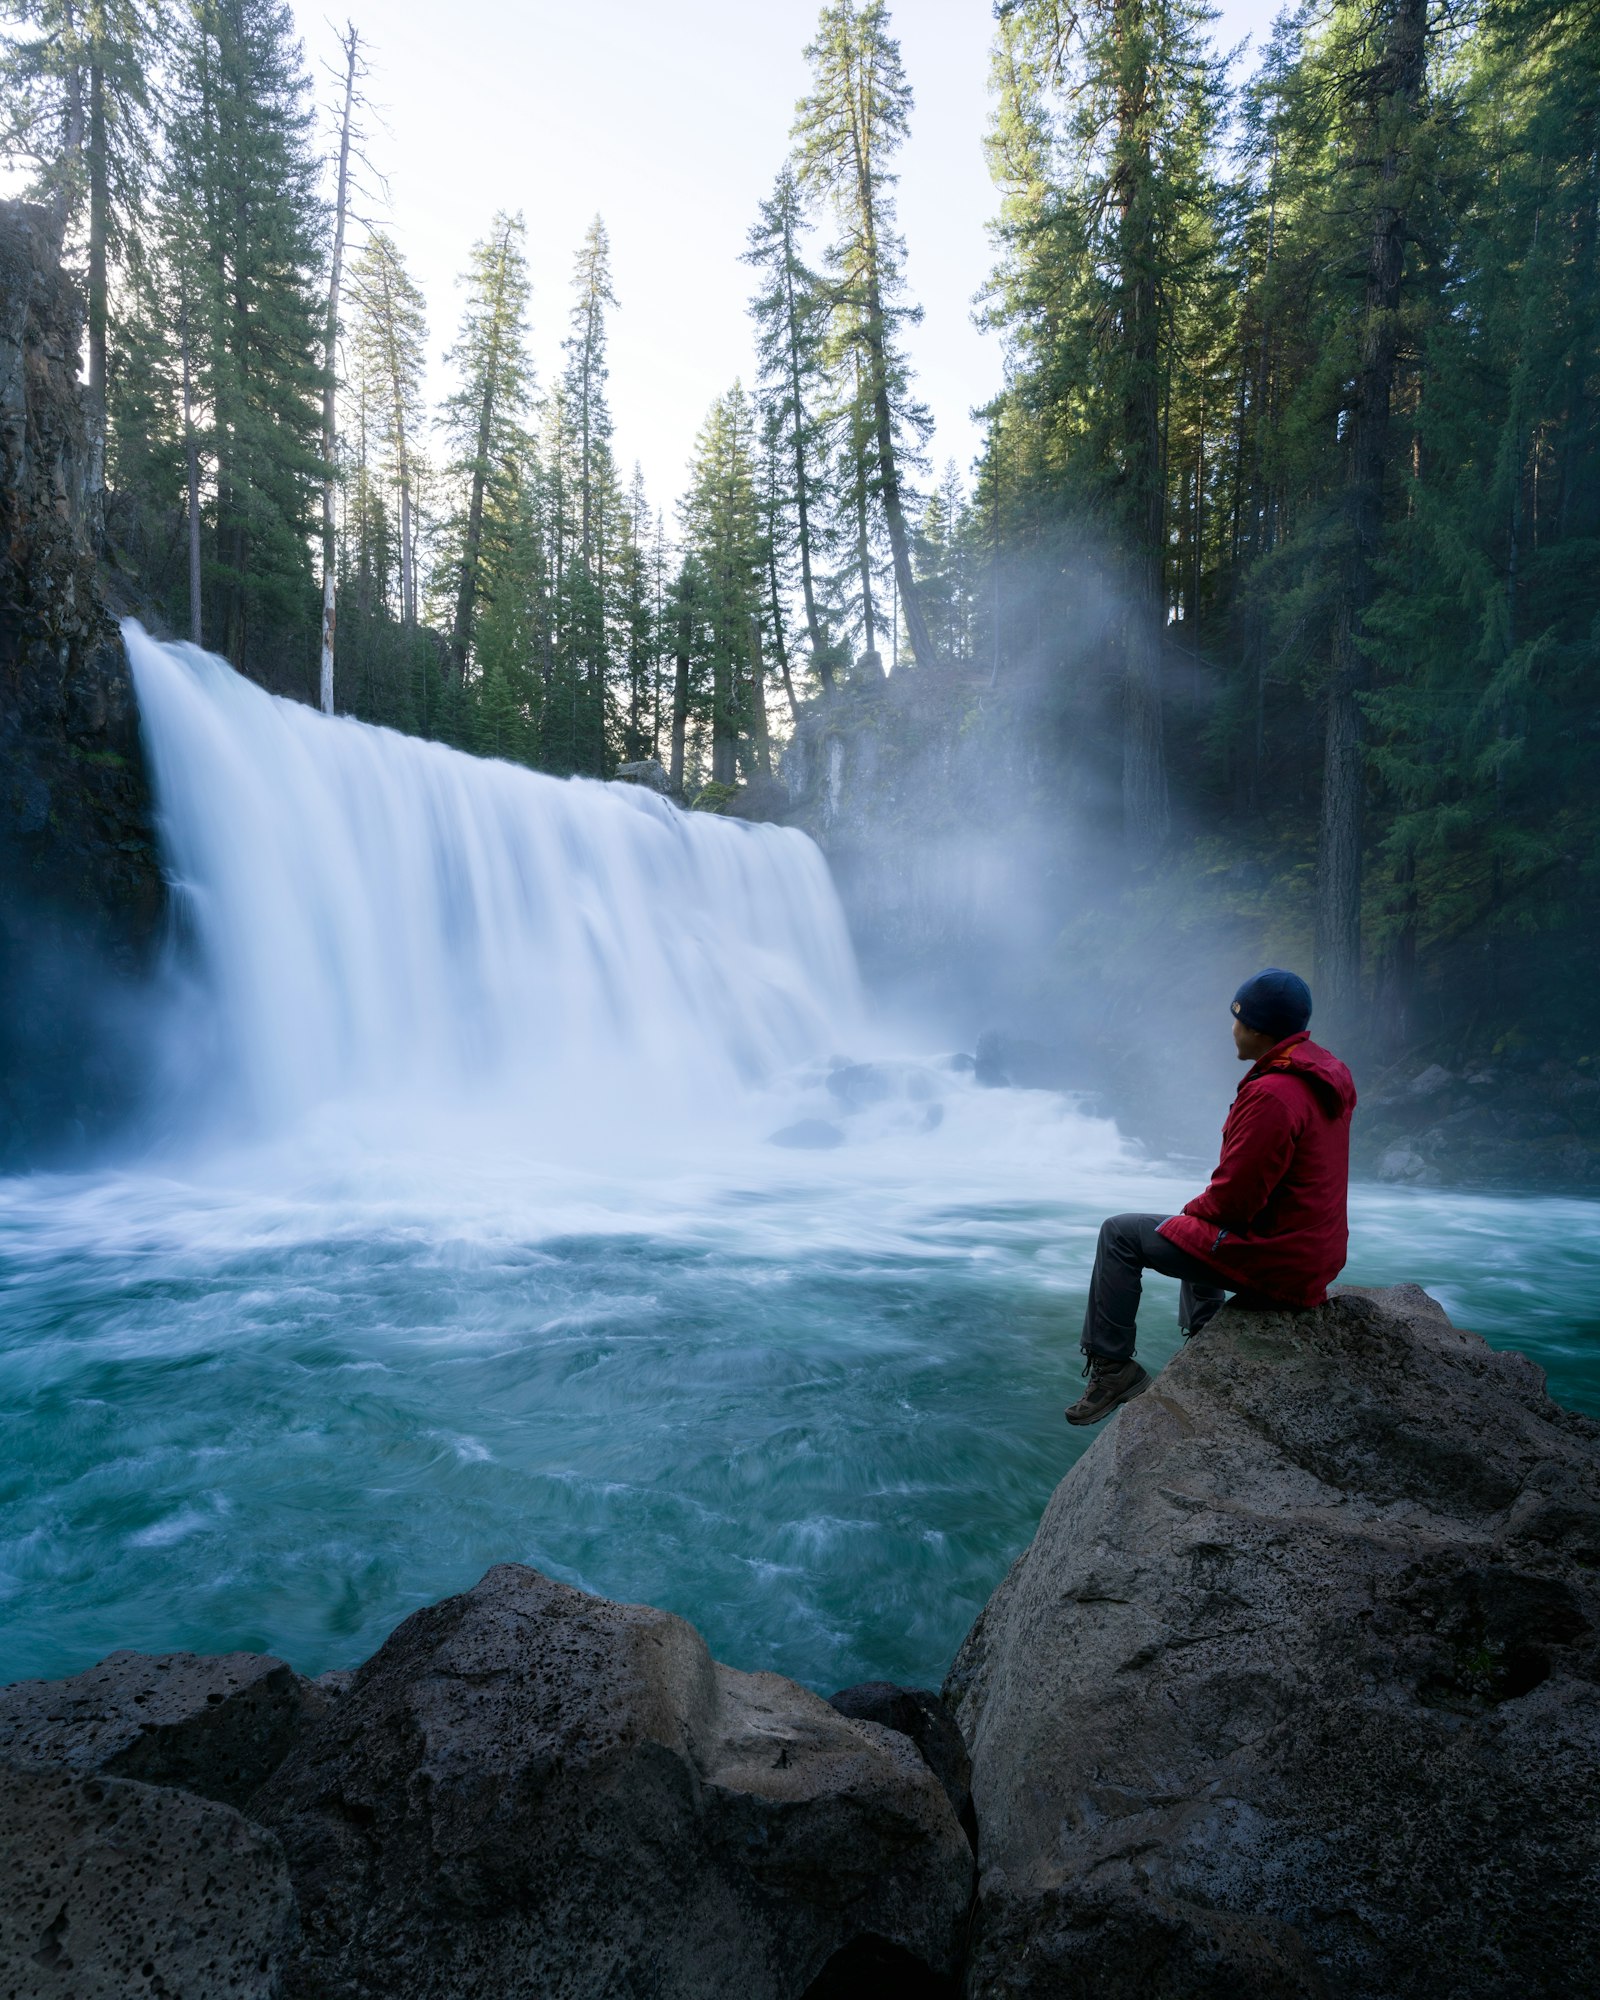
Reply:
x=1274, y=1002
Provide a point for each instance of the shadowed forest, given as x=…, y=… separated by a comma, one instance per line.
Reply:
x=1282, y=552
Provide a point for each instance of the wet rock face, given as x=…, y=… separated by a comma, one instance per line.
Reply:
x=529, y=1791
x=81, y=897
x=216, y=1724
x=1297, y=1691
x=114, y=1890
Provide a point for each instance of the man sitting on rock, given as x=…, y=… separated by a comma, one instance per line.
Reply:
x=1271, y=1225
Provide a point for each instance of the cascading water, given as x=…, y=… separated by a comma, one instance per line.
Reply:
x=377, y=917
x=484, y=1252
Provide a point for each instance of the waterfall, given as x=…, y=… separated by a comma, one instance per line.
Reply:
x=374, y=917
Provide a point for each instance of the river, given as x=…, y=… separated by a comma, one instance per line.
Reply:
x=460, y=1236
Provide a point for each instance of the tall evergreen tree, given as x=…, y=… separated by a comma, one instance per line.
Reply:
x=792, y=309
x=847, y=129
x=722, y=532
x=242, y=228
x=390, y=352
x=485, y=416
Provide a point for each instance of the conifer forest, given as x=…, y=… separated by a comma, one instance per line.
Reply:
x=1299, y=399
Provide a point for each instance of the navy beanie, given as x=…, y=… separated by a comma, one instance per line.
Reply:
x=1274, y=1002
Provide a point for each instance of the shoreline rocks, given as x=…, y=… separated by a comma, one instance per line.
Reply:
x=1295, y=1695
x=526, y=1791
x=1297, y=1690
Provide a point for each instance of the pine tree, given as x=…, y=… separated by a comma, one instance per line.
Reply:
x=241, y=229
x=389, y=345
x=722, y=532
x=846, y=131
x=76, y=84
x=595, y=494
x=1102, y=145
x=484, y=417
x=792, y=312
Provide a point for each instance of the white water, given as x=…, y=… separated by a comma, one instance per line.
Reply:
x=469, y=1241
x=382, y=920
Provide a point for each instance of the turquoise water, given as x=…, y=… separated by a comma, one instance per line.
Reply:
x=813, y=1403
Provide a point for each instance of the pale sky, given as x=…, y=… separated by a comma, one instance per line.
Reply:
x=671, y=122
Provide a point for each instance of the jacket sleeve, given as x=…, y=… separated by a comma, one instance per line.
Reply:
x=1257, y=1146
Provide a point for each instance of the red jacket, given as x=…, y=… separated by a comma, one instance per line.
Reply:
x=1273, y=1221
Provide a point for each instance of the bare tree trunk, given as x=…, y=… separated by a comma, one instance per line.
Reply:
x=922, y=647
x=819, y=649
x=192, y=457
x=761, y=741
x=330, y=439
x=1396, y=86
x=777, y=636
x=1146, y=819
x=680, y=695
x=99, y=227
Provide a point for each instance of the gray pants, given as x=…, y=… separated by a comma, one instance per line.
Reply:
x=1128, y=1247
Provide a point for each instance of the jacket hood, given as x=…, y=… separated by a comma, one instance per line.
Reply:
x=1319, y=1066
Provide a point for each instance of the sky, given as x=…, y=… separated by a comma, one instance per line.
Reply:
x=671, y=123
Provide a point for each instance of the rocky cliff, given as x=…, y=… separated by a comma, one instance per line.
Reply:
x=80, y=888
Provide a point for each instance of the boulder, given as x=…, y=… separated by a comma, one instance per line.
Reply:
x=921, y=1714
x=1297, y=1690
x=115, y=1889
x=649, y=772
x=858, y=1085
x=531, y=1791
x=809, y=1135
x=1004, y=1060
x=218, y=1724
x=762, y=798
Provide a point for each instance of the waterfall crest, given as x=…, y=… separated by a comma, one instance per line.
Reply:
x=377, y=917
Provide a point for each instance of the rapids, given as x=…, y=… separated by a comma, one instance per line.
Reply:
x=457, y=1235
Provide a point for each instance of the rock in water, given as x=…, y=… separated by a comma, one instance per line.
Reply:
x=1297, y=1691
x=113, y=1888
x=533, y=1792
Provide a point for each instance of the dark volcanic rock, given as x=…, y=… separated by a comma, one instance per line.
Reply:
x=1297, y=1691
x=80, y=888
x=529, y=1791
x=114, y=1889
x=921, y=1714
x=218, y=1724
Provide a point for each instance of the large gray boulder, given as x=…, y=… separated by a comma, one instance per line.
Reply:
x=1297, y=1690
x=111, y=1889
x=531, y=1791
x=217, y=1724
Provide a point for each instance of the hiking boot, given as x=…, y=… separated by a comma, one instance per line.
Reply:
x=1110, y=1383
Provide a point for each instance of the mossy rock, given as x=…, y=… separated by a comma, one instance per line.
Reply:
x=713, y=798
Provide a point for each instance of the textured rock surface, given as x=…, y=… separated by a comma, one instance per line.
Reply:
x=922, y=1715
x=80, y=888
x=529, y=1791
x=218, y=1724
x=110, y=1890
x=1297, y=1691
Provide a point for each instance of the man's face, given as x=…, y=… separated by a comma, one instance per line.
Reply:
x=1250, y=1043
